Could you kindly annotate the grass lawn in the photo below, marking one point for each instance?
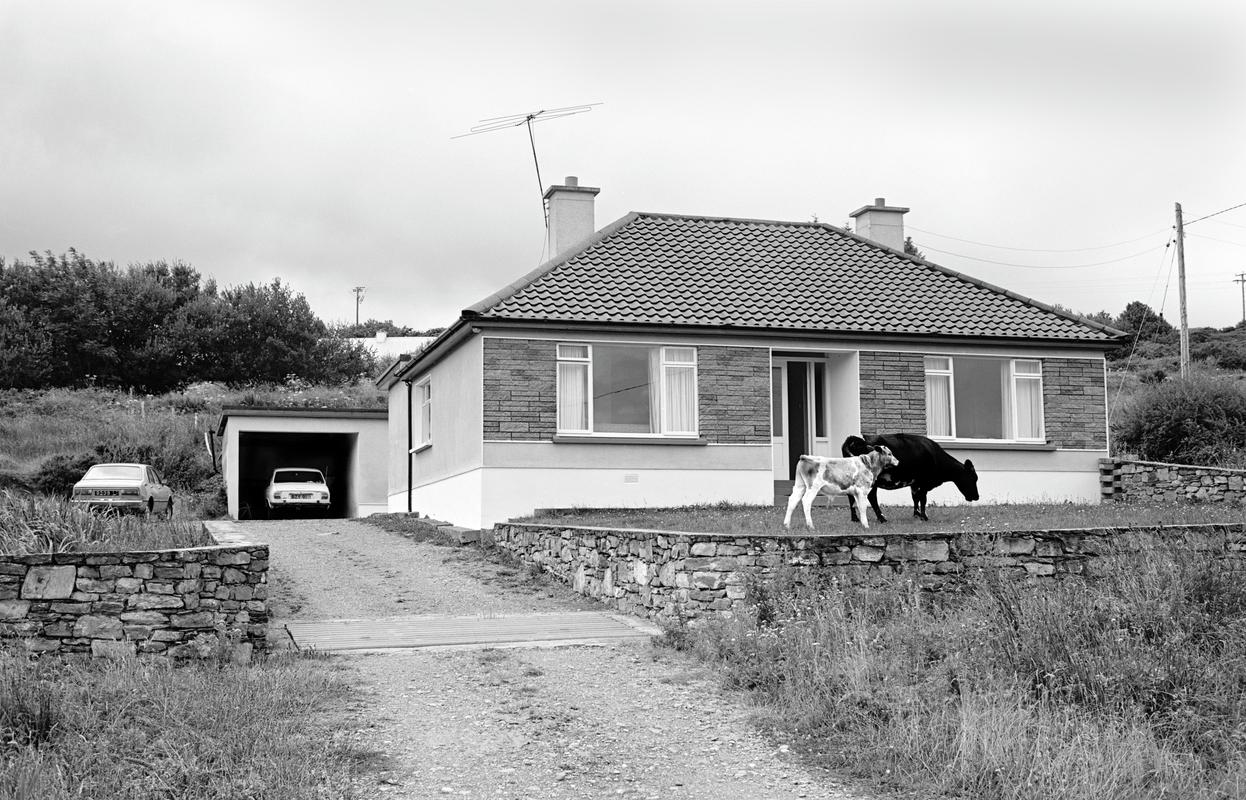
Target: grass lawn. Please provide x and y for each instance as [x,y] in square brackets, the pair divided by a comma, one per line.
[768,520]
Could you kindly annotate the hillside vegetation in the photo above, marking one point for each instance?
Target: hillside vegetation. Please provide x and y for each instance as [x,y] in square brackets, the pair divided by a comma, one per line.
[50,437]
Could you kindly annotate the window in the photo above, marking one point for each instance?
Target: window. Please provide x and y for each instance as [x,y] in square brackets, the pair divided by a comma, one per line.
[627,389]
[970,397]
[424,420]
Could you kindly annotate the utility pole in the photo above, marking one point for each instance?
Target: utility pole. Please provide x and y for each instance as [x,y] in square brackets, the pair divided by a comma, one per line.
[358,290]
[1241,278]
[1185,327]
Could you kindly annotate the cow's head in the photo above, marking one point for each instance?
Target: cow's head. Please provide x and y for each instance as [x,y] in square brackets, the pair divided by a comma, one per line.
[882,458]
[967,481]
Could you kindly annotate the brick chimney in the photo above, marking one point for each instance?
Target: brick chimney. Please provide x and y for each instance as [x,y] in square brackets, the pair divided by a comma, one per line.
[881,223]
[570,208]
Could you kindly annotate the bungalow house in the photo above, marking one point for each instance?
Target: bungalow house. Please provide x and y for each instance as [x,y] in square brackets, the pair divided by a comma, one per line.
[668,360]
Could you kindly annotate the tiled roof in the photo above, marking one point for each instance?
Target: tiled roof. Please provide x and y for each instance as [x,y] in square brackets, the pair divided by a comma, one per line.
[679,270]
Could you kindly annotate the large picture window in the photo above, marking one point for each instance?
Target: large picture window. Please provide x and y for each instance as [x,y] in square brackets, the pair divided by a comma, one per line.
[627,389]
[972,397]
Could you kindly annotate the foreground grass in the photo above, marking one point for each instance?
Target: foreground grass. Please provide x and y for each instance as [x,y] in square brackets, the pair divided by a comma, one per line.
[1133,686]
[33,524]
[142,729]
[768,520]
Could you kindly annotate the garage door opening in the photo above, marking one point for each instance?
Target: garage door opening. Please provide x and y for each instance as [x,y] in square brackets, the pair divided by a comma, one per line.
[261,453]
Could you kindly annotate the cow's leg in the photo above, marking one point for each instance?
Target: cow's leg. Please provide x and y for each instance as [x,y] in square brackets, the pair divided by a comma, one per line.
[919,504]
[861,497]
[798,491]
[878,512]
[811,494]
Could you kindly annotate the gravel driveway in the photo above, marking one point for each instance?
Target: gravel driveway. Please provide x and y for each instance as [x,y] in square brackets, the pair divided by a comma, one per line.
[620,720]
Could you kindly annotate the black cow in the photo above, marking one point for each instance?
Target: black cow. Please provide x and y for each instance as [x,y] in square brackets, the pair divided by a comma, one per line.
[923,466]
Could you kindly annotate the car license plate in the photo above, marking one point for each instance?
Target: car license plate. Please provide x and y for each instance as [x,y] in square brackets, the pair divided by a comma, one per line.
[301,496]
[107,492]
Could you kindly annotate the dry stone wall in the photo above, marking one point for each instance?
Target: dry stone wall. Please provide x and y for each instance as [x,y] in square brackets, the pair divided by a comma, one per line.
[1157,482]
[195,602]
[665,575]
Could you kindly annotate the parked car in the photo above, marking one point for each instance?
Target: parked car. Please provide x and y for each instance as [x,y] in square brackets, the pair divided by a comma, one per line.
[123,487]
[296,489]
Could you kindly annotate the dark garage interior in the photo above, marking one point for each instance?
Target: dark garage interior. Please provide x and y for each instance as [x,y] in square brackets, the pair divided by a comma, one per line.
[260,453]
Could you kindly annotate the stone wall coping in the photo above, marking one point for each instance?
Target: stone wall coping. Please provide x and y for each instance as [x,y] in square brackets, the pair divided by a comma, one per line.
[1177,466]
[1106,530]
[226,533]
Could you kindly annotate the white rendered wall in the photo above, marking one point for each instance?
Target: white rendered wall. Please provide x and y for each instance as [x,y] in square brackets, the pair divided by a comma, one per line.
[457,420]
[455,499]
[517,492]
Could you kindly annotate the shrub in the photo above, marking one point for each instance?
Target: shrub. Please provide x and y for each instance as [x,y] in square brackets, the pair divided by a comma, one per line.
[57,475]
[1199,420]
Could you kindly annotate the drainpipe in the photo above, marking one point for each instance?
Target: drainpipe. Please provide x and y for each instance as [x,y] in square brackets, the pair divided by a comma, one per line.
[410,445]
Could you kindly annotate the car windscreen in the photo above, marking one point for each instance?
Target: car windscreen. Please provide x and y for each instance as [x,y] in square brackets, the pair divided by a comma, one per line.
[115,472]
[297,476]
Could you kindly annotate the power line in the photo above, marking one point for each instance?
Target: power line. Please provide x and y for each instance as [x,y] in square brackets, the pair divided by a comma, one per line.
[1217,213]
[924,246]
[1214,239]
[1036,250]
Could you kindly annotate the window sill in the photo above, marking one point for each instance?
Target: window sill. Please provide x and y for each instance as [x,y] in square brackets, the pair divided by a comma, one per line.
[968,444]
[574,439]
[421,448]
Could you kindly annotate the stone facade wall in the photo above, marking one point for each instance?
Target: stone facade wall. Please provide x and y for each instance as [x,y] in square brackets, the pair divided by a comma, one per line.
[1156,482]
[520,389]
[521,394]
[666,575]
[733,388]
[178,603]
[1075,403]
[893,393]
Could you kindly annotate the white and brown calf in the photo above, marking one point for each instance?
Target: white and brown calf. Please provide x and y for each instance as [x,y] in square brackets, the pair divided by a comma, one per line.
[853,476]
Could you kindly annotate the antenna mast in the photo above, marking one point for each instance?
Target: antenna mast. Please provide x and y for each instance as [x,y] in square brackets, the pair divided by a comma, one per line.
[514,121]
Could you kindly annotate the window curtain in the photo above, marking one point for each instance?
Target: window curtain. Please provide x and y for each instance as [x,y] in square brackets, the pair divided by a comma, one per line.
[655,390]
[1029,408]
[1006,382]
[939,405]
[681,400]
[572,397]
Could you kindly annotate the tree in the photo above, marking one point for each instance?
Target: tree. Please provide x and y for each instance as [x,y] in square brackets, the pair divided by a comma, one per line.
[911,249]
[1140,320]
[370,328]
[69,321]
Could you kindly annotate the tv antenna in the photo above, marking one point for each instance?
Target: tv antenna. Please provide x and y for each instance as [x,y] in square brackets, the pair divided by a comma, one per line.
[515,120]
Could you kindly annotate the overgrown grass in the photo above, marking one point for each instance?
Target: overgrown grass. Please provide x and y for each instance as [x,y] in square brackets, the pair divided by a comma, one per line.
[768,520]
[1131,686]
[34,524]
[144,729]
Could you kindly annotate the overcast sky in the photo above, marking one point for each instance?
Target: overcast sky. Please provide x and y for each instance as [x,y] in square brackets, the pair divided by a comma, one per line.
[311,141]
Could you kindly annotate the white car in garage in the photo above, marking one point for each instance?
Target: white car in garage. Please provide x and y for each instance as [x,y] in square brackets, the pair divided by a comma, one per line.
[296,490]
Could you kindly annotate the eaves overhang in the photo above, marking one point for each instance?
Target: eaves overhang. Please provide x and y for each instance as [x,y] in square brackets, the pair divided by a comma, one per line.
[300,412]
[742,331]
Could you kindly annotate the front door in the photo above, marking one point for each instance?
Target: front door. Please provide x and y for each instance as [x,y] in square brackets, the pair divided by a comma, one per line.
[798,409]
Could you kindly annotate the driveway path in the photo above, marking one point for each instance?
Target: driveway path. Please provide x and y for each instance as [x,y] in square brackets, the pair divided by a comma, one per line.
[622,719]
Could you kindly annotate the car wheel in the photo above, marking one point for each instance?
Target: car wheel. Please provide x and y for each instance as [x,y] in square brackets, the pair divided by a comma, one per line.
[151,506]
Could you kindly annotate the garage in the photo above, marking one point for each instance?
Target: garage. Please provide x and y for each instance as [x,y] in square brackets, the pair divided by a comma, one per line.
[347,445]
